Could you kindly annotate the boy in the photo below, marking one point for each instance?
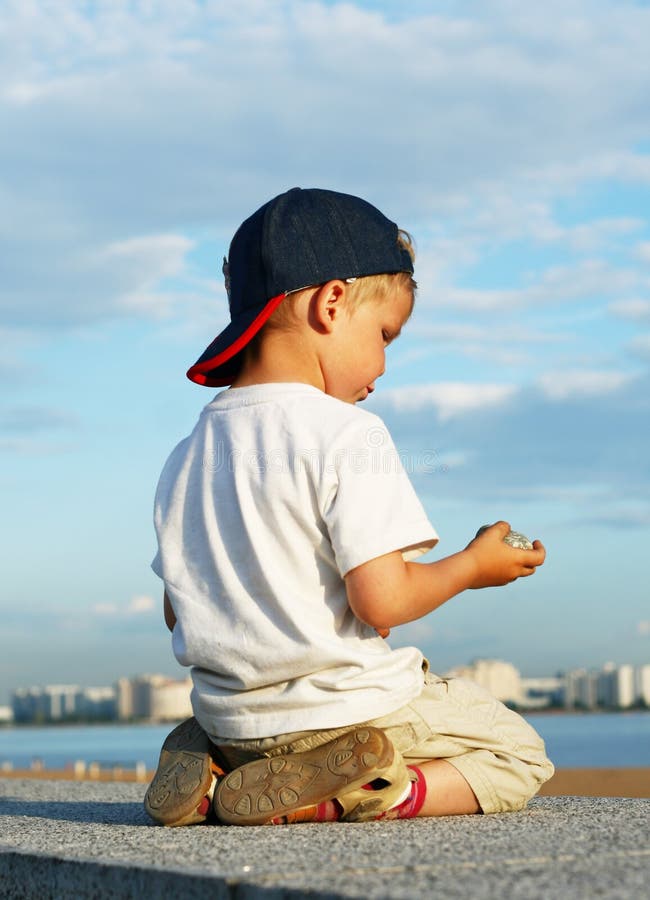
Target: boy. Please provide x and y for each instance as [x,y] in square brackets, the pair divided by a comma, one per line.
[287,531]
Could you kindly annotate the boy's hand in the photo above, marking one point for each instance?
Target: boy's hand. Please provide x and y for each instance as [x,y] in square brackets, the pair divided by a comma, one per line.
[496,563]
[170,616]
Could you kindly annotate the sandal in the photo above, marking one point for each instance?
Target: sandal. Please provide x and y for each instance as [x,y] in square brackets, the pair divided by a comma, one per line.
[188,770]
[360,769]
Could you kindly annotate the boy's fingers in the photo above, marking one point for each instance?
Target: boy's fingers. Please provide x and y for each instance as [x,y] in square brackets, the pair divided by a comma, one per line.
[534,558]
[540,550]
[502,529]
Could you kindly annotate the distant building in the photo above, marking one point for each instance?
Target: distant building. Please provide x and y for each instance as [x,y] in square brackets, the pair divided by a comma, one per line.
[612,687]
[160,698]
[538,693]
[606,687]
[24,703]
[618,691]
[95,703]
[124,699]
[581,689]
[622,693]
[44,704]
[642,685]
[500,678]
[62,702]
[155,697]
[171,700]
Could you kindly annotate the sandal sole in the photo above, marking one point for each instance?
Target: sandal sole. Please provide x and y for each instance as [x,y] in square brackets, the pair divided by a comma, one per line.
[269,788]
[183,778]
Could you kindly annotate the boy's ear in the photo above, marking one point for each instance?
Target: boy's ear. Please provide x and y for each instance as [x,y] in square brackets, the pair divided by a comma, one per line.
[327,305]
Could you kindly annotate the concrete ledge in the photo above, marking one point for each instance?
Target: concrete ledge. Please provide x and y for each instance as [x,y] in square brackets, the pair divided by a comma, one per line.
[79,839]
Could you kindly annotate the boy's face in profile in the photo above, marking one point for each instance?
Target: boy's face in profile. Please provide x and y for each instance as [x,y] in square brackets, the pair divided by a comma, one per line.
[361,339]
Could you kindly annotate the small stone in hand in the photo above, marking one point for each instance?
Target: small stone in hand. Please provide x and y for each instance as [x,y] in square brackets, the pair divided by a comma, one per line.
[513,538]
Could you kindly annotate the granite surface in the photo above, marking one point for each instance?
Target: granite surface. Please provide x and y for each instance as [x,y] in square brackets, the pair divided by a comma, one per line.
[63,839]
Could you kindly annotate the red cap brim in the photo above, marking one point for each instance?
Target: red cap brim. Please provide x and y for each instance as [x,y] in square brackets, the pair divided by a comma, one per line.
[217,366]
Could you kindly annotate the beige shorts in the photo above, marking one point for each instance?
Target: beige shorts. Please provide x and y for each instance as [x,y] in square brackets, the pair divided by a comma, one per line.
[499,754]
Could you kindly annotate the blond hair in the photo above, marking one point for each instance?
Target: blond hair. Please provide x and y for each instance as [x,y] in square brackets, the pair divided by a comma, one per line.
[360,290]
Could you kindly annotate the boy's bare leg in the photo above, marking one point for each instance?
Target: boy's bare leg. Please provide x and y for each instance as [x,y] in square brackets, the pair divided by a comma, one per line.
[448,794]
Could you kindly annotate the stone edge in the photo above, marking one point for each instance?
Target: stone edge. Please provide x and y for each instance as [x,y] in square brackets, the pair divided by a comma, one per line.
[27,874]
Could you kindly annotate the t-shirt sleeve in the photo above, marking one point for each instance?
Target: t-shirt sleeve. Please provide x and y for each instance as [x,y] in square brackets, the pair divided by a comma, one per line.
[373,508]
[156,564]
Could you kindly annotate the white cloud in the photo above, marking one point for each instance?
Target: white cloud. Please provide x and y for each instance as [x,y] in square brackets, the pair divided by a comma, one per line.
[26,447]
[643,628]
[465,333]
[133,120]
[582,383]
[105,609]
[600,233]
[449,399]
[80,282]
[507,215]
[579,456]
[621,165]
[455,459]
[502,344]
[580,279]
[636,309]
[162,254]
[146,262]
[481,300]
[140,604]
[22,94]
[150,74]
[29,419]
[643,251]
[640,346]
[587,278]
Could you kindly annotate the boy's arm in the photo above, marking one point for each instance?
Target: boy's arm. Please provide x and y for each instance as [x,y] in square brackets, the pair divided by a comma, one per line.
[387,591]
[170,618]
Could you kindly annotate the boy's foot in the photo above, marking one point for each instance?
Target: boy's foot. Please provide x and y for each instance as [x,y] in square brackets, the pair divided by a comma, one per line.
[361,770]
[188,770]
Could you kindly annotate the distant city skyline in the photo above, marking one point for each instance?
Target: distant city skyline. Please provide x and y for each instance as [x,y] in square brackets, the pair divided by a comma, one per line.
[157,697]
[178,673]
[512,142]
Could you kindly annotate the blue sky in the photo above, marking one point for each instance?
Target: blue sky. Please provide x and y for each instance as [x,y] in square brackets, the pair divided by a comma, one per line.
[512,141]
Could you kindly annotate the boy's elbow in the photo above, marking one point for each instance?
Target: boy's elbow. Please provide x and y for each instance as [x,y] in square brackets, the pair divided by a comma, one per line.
[373,615]
[373,591]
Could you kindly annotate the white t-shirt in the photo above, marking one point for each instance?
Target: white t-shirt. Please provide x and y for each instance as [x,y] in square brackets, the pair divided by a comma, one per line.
[279,491]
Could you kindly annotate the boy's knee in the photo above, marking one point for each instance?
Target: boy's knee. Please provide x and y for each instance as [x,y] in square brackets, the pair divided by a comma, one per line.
[523,779]
[541,771]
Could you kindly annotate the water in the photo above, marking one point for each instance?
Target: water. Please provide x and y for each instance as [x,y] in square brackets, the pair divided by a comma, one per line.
[597,740]
[109,745]
[606,740]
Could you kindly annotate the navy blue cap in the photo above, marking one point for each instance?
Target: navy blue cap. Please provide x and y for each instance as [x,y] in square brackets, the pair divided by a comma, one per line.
[301,238]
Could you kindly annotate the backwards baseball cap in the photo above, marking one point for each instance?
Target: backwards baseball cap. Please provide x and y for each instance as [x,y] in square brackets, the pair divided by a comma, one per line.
[301,238]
